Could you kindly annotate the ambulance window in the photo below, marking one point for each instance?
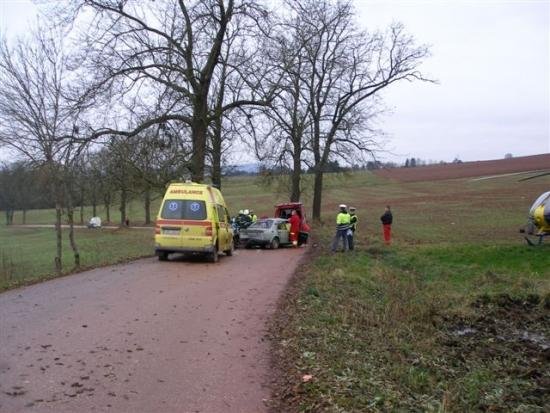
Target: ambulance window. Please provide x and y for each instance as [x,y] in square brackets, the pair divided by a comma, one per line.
[221,213]
[184,209]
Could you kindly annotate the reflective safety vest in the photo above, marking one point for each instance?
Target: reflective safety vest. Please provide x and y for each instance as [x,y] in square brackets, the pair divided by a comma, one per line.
[353,222]
[343,220]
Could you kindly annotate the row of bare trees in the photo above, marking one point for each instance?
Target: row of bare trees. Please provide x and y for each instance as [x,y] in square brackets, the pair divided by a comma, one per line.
[171,86]
[136,168]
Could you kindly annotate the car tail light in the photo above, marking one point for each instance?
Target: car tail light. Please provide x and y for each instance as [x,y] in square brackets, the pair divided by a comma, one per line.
[157,228]
[208,231]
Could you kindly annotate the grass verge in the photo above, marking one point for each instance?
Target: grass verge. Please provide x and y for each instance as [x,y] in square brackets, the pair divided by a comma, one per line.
[27,254]
[441,327]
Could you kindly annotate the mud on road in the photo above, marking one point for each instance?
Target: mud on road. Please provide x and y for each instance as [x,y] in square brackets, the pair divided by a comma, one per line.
[147,336]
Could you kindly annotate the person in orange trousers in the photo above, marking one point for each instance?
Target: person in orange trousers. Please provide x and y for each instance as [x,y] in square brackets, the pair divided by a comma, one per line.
[295,222]
[387,220]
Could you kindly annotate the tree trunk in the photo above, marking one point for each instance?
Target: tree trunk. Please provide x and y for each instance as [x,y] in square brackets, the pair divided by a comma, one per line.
[70,216]
[317,194]
[59,239]
[123,199]
[9,217]
[82,208]
[199,129]
[70,219]
[296,175]
[94,202]
[107,200]
[147,204]
[24,216]
[217,157]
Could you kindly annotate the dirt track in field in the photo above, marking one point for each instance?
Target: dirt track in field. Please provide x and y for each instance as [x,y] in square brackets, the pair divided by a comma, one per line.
[468,169]
[149,336]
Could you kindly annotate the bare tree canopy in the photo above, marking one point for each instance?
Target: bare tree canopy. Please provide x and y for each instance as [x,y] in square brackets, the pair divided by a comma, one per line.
[136,47]
[329,96]
[39,117]
[302,87]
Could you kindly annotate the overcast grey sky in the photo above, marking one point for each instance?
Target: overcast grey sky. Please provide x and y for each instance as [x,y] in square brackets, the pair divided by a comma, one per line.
[492,61]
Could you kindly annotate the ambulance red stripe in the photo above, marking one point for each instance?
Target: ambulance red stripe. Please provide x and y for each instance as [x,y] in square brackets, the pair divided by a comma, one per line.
[183,222]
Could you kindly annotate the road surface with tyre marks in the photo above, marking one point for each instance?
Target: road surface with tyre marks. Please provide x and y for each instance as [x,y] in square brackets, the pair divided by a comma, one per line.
[148,336]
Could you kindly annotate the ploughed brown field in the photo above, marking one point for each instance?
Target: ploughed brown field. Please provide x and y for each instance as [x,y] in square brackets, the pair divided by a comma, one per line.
[468,169]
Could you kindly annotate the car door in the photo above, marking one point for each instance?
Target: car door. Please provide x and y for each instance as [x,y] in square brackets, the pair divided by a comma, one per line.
[283,233]
[223,228]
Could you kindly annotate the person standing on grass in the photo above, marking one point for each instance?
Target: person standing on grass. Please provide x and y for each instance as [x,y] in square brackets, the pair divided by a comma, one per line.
[352,228]
[387,220]
[295,222]
[342,226]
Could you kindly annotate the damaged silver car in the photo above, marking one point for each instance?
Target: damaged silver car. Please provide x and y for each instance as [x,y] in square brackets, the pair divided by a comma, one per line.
[266,233]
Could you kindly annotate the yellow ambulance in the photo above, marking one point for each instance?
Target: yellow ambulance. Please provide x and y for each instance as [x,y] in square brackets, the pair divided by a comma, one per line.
[193,218]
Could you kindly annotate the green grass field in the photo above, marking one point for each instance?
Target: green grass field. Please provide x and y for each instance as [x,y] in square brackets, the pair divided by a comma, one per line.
[26,254]
[454,316]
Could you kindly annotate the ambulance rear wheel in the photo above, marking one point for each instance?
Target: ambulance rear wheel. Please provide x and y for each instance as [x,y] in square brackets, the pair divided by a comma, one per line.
[213,256]
[229,252]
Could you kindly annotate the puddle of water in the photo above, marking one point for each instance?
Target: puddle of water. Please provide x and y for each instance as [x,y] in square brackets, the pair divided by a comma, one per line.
[465,331]
[518,335]
[535,338]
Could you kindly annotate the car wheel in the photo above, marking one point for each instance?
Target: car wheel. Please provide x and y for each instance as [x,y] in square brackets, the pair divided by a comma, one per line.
[229,252]
[274,243]
[213,256]
[163,256]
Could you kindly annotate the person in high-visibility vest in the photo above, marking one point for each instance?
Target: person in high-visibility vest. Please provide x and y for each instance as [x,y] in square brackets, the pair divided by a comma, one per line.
[353,227]
[247,218]
[387,220]
[253,216]
[343,220]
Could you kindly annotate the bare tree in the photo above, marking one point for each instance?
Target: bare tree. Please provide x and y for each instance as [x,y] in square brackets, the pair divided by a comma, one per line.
[285,140]
[347,69]
[155,157]
[135,47]
[38,119]
[328,93]
[19,189]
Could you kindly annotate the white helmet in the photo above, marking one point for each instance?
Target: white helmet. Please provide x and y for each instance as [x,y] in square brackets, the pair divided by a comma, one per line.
[241,212]
[343,206]
[246,212]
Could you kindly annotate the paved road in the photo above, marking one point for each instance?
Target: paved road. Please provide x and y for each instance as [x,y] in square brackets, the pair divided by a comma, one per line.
[147,336]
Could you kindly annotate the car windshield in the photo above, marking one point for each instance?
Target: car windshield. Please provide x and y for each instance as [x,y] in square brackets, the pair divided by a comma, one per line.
[184,209]
[263,224]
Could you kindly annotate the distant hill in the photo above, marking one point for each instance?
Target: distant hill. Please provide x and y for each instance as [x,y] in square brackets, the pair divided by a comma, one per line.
[468,169]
